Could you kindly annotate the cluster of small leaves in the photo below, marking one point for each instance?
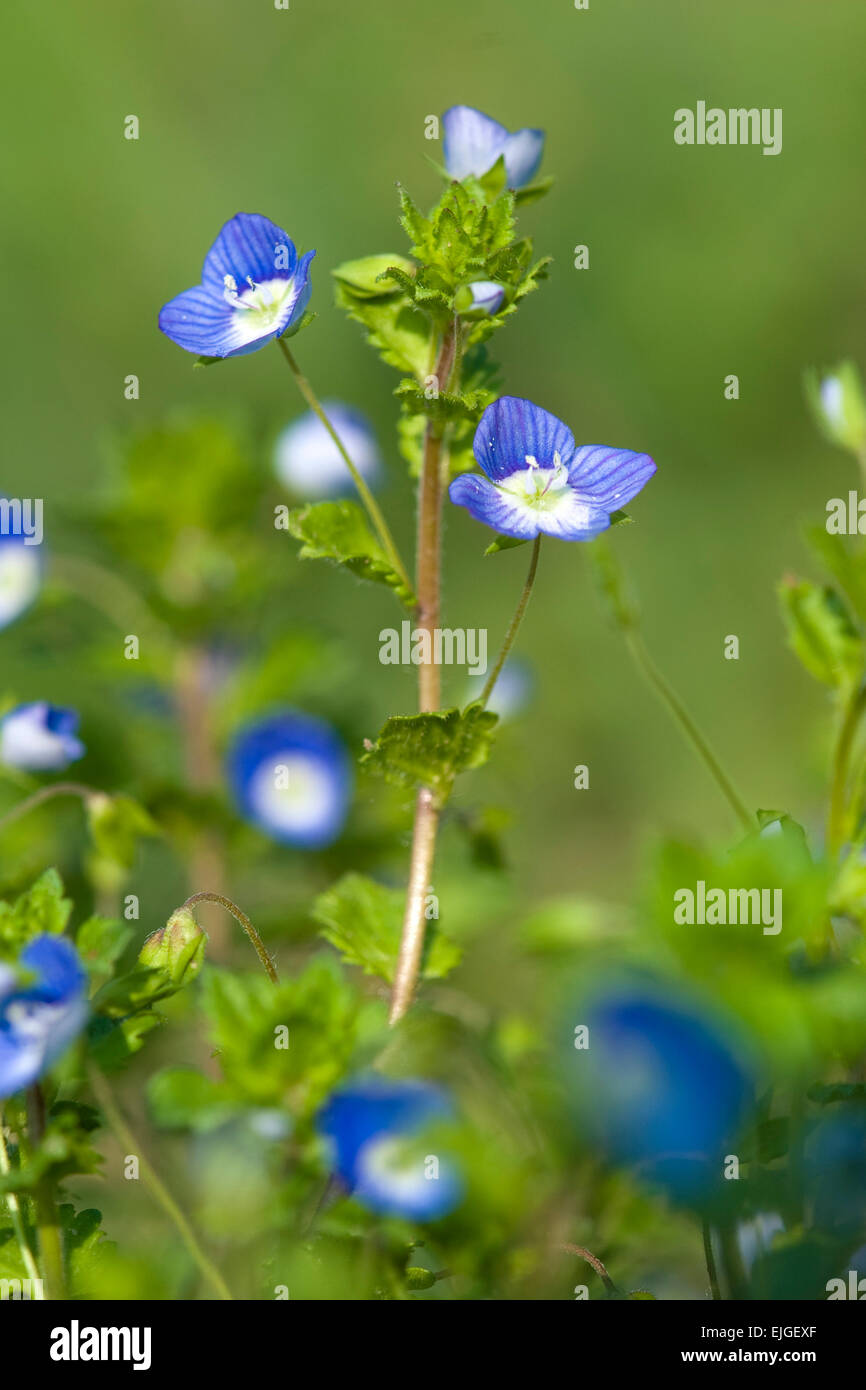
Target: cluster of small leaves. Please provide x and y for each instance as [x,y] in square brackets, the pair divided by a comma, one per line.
[363,921]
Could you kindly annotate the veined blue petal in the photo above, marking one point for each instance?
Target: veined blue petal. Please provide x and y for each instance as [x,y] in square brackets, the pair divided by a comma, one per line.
[308,461]
[483,500]
[253,289]
[513,430]
[523,153]
[39,1020]
[607,477]
[40,737]
[471,141]
[291,777]
[249,247]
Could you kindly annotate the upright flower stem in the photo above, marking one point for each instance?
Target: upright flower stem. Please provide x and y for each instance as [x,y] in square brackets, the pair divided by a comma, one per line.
[373,510]
[681,716]
[47,1218]
[154,1183]
[836,819]
[427,811]
[514,624]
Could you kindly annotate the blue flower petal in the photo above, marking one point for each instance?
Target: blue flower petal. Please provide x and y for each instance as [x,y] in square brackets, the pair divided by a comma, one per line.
[366,1122]
[471,141]
[483,500]
[291,777]
[609,478]
[523,153]
[249,245]
[40,737]
[39,1020]
[308,461]
[253,289]
[512,429]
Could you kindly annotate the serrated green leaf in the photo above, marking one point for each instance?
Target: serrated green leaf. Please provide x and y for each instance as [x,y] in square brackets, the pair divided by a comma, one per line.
[338,531]
[821,632]
[398,331]
[431,749]
[363,920]
[42,908]
[366,277]
[444,405]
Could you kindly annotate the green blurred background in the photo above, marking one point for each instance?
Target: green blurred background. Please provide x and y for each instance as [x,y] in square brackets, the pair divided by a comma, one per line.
[703,262]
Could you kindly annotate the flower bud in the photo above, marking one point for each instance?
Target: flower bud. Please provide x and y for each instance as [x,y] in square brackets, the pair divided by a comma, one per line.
[838,403]
[481,297]
[177,949]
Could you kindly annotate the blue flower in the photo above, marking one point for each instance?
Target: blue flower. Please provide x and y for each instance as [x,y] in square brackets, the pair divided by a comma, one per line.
[539,482]
[480,297]
[374,1125]
[473,142]
[659,1087]
[40,738]
[40,1016]
[308,461]
[253,287]
[20,575]
[291,777]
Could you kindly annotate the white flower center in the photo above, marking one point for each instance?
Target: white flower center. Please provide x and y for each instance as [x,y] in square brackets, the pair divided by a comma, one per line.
[542,489]
[259,305]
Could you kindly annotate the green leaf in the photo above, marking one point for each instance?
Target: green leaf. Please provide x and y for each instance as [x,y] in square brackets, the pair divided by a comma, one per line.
[398,331]
[99,941]
[182,1098]
[431,749]
[338,531]
[444,405]
[129,993]
[504,543]
[821,632]
[112,1042]
[42,908]
[533,191]
[841,1091]
[363,920]
[367,277]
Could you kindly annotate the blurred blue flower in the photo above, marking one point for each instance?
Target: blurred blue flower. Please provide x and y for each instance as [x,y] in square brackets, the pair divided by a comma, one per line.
[253,288]
[659,1087]
[480,297]
[538,482]
[308,461]
[291,777]
[372,1124]
[473,142]
[39,1016]
[40,738]
[512,691]
[20,576]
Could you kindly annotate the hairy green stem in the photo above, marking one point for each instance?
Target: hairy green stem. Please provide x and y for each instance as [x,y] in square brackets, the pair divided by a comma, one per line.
[154,1183]
[47,1218]
[514,624]
[710,1259]
[837,815]
[428,587]
[261,949]
[17,1218]
[373,510]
